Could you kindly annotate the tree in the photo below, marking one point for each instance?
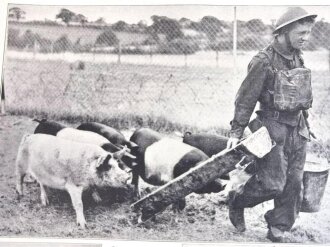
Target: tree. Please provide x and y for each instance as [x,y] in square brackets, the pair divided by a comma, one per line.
[29,38]
[63,44]
[120,26]
[256,26]
[211,26]
[13,39]
[170,27]
[100,20]
[143,26]
[66,15]
[107,38]
[81,19]
[16,13]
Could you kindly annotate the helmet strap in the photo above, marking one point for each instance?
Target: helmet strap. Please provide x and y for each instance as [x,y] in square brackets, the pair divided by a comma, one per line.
[288,42]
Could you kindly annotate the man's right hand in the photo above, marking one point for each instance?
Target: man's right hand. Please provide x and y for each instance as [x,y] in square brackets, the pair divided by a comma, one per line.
[232,142]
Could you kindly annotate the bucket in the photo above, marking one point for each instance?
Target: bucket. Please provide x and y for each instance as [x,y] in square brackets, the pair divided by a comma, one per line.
[314,180]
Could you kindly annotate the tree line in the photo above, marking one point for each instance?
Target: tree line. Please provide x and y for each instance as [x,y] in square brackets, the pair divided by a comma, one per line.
[218,34]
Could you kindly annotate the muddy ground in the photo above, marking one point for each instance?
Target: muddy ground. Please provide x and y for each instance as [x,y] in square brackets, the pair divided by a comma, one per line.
[202,220]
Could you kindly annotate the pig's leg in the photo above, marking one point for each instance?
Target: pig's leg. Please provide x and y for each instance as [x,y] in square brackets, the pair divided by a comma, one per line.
[76,198]
[43,195]
[96,195]
[19,185]
[20,174]
[135,182]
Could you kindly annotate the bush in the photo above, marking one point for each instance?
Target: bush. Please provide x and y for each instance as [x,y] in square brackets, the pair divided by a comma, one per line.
[28,39]
[13,39]
[179,46]
[223,44]
[63,44]
[252,42]
[107,38]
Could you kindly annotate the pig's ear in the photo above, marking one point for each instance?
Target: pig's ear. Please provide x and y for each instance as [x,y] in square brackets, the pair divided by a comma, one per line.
[103,163]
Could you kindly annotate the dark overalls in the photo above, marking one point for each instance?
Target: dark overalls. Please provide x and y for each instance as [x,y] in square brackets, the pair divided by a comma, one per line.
[279,174]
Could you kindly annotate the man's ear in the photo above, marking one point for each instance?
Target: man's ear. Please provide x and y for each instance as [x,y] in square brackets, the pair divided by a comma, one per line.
[102,164]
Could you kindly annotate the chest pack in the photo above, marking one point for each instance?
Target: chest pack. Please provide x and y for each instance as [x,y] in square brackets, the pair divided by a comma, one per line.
[292,88]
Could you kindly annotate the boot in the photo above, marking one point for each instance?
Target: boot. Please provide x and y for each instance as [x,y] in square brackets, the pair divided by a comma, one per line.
[236,215]
[276,235]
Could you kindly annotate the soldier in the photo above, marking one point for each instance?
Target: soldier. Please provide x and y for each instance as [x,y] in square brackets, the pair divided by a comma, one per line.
[283,111]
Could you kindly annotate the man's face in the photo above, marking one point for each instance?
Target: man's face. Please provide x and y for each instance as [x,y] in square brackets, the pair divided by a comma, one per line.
[299,34]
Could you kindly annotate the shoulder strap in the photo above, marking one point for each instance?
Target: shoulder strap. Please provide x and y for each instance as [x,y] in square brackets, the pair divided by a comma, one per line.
[269,52]
[301,60]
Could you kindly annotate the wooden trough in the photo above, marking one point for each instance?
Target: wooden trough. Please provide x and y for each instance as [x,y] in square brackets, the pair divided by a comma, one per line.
[256,145]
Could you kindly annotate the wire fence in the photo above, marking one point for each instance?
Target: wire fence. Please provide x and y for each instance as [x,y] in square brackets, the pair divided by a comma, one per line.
[183,70]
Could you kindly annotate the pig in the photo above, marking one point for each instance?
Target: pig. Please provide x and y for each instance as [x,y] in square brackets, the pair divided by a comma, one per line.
[72,134]
[64,132]
[111,134]
[67,165]
[212,144]
[160,159]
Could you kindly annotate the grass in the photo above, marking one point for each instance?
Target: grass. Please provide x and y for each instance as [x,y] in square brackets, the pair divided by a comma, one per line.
[123,95]
[126,95]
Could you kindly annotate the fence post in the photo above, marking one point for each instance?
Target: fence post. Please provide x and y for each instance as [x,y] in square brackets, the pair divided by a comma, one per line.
[150,54]
[235,40]
[185,60]
[329,56]
[3,108]
[34,48]
[217,57]
[119,52]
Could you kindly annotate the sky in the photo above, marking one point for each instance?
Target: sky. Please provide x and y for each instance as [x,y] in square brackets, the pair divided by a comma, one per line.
[135,13]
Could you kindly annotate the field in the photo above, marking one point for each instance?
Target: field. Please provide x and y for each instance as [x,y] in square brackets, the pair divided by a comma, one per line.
[126,96]
[202,220]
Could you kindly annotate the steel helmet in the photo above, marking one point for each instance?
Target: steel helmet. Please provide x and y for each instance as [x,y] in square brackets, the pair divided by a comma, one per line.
[291,15]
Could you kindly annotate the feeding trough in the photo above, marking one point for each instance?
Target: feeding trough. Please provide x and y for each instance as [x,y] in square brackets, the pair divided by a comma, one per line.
[257,145]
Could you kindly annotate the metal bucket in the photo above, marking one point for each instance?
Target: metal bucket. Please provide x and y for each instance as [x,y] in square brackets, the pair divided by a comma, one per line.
[315,179]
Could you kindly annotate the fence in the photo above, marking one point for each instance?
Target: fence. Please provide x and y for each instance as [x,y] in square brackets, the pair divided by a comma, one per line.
[185,71]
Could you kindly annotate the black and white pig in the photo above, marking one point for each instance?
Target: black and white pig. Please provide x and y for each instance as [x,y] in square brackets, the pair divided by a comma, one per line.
[67,165]
[161,159]
[111,134]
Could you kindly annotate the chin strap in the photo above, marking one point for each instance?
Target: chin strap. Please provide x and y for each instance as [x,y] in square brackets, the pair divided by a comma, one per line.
[288,42]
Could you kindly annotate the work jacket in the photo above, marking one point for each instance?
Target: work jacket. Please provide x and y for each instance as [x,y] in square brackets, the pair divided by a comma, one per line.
[258,85]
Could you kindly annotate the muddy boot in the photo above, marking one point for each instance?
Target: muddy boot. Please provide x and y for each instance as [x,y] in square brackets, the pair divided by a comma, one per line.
[275,235]
[236,215]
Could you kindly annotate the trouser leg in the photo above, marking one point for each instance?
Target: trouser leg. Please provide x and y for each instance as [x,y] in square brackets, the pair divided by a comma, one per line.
[287,205]
[270,177]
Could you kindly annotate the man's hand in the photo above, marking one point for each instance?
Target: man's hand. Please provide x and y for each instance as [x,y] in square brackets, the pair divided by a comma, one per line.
[232,142]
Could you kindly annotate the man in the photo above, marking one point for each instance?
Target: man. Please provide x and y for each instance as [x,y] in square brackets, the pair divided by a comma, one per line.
[279,174]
